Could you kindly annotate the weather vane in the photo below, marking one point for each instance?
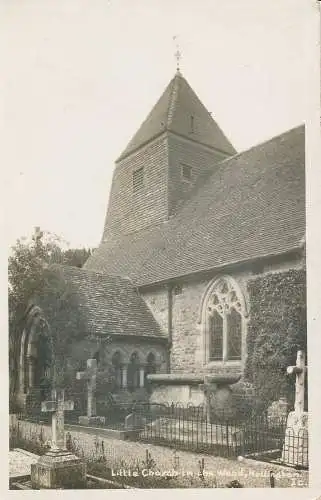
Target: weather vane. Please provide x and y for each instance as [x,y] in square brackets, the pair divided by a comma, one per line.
[178,54]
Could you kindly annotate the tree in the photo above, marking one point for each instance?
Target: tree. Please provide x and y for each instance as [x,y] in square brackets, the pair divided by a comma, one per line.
[34,280]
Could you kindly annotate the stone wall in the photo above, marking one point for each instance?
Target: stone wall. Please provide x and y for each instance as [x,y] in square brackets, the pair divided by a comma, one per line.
[188,348]
[125,454]
[157,301]
[187,330]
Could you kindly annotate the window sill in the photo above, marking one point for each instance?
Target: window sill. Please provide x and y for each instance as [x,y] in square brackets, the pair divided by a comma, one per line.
[220,364]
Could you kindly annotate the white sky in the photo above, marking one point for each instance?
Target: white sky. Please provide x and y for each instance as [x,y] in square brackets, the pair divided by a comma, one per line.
[81,75]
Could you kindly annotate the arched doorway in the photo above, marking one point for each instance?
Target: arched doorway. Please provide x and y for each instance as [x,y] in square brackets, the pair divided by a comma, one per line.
[35,375]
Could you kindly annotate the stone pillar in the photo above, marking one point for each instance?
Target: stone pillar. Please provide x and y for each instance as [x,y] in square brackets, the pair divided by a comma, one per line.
[141,376]
[124,376]
[31,372]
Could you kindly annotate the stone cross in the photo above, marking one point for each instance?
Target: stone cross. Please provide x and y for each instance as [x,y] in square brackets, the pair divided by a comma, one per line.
[299,370]
[57,406]
[90,375]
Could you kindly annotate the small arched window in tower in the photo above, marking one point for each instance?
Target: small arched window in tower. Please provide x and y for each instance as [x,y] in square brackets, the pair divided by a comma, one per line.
[150,366]
[133,372]
[117,369]
[225,320]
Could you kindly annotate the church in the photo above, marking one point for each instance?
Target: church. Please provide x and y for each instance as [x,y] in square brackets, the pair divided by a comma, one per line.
[194,233]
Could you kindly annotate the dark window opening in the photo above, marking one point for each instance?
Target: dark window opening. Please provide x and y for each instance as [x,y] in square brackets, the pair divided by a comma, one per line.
[187,172]
[150,367]
[216,337]
[133,372]
[192,124]
[234,335]
[138,179]
[117,368]
[178,289]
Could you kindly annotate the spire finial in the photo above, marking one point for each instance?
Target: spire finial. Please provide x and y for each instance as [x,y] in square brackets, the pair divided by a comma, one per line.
[178,54]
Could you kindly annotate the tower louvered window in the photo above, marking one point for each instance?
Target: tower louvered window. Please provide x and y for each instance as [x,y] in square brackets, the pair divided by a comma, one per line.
[138,179]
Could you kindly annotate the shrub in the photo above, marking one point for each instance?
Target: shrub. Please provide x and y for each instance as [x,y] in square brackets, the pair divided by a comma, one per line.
[276,330]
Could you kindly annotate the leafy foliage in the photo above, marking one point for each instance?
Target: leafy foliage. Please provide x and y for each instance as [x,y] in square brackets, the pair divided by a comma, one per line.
[31,280]
[277,329]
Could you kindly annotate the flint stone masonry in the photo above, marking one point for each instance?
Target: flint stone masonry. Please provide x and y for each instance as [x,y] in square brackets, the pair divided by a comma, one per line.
[157,301]
[249,473]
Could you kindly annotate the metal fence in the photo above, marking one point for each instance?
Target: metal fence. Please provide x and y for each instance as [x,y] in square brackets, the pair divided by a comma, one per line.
[193,428]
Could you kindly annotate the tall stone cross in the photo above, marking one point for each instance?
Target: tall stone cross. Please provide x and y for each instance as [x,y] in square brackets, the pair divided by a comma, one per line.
[90,375]
[57,406]
[299,370]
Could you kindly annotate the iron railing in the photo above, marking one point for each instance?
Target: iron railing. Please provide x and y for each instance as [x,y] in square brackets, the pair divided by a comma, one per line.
[193,428]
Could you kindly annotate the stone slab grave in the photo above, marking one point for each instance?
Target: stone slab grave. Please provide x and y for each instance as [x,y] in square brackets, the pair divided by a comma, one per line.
[58,468]
[295,448]
[133,422]
[90,375]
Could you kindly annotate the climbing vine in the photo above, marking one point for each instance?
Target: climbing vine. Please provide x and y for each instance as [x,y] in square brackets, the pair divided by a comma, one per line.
[276,330]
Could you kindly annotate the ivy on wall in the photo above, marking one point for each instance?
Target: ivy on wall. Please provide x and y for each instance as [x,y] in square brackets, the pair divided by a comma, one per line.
[276,330]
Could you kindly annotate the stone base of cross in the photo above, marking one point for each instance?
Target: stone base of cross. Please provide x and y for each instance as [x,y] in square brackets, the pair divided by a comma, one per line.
[295,448]
[57,406]
[90,375]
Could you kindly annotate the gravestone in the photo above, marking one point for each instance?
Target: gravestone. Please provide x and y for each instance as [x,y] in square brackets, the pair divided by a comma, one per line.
[58,468]
[90,376]
[295,448]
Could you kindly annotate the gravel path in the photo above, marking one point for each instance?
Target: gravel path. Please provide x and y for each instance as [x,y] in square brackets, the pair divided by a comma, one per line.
[20,462]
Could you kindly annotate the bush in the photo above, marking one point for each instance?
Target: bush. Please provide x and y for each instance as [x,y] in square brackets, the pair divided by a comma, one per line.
[276,330]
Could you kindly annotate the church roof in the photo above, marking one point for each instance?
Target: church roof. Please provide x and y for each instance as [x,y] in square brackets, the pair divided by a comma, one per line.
[251,206]
[110,304]
[173,112]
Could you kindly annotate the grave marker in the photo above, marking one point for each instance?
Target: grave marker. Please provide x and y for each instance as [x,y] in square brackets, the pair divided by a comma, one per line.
[90,375]
[57,406]
[58,467]
[295,448]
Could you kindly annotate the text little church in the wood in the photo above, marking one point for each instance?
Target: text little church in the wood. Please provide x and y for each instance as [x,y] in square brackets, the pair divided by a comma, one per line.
[201,264]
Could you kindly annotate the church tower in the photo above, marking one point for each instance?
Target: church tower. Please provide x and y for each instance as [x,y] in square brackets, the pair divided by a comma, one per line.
[177,144]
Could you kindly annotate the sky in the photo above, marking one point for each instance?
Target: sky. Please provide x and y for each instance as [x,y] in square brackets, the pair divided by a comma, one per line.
[81,75]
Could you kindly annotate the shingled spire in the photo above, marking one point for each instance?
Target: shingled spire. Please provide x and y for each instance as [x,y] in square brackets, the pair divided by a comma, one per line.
[175,146]
[180,111]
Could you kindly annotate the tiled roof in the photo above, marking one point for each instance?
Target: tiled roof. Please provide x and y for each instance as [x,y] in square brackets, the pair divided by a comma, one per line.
[111,305]
[173,112]
[252,206]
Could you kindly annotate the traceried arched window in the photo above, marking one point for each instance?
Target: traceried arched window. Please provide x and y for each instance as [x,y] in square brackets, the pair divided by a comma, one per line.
[224,321]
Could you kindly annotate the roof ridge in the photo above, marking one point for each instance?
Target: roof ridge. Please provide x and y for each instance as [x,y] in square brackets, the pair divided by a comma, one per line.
[92,271]
[172,101]
[261,143]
